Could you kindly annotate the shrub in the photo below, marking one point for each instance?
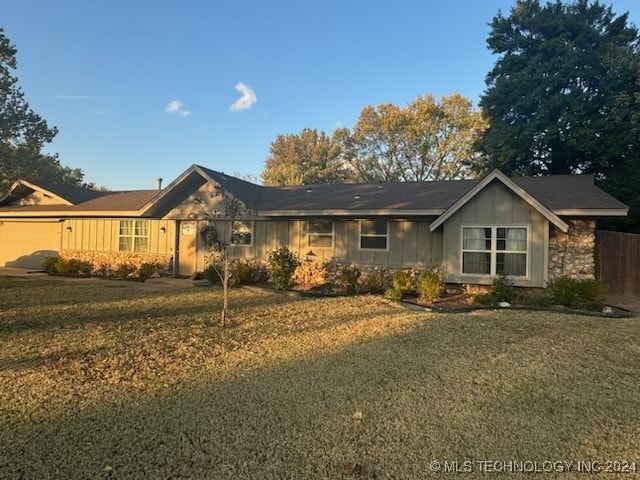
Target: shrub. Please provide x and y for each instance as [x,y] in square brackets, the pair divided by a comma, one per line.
[393,294]
[403,282]
[62,266]
[484,299]
[573,293]
[148,270]
[348,278]
[282,265]
[124,270]
[539,300]
[213,274]
[50,264]
[430,285]
[502,290]
[241,272]
[373,283]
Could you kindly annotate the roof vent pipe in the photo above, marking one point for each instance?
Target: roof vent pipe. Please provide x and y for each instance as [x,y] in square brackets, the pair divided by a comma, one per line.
[159,184]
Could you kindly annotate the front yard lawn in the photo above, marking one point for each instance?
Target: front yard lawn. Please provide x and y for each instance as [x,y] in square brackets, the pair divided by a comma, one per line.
[103,381]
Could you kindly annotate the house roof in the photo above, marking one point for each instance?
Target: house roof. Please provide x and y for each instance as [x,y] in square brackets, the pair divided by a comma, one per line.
[553,195]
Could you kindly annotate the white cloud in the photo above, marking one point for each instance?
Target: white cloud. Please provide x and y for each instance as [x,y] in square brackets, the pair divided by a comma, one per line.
[246,100]
[175,106]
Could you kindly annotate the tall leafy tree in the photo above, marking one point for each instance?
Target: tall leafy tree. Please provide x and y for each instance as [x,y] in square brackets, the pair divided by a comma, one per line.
[23,133]
[563,95]
[308,157]
[426,140]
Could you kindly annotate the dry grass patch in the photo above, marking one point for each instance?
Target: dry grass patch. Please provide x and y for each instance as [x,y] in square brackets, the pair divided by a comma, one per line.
[99,382]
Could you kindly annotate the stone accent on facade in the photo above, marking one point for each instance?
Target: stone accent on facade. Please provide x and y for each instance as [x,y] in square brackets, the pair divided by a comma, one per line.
[104,262]
[315,273]
[572,253]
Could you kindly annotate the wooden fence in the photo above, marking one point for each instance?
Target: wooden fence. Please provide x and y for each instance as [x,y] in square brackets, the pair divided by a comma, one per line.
[618,261]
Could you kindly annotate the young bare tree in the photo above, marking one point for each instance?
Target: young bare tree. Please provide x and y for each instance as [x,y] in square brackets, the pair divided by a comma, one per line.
[219,240]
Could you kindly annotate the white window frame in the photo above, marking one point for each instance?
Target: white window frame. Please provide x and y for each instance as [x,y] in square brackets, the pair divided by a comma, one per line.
[494,250]
[309,234]
[387,236]
[253,229]
[133,235]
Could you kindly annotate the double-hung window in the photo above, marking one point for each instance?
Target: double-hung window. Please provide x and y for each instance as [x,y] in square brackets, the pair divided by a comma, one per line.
[374,235]
[134,236]
[320,233]
[495,250]
[242,233]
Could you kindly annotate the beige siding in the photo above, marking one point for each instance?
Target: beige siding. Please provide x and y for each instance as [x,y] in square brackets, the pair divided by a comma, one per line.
[496,205]
[100,234]
[410,243]
[188,208]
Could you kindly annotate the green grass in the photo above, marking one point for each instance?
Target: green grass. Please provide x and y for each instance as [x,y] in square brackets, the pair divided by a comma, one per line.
[98,381]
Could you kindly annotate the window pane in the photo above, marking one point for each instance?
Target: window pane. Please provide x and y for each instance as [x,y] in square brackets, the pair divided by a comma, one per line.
[373,228]
[476,262]
[320,241]
[141,244]
[320,226]
[512,264]
[512,239]
[241,234]
[141,228]
[126,227]
[126,244]
[476,238]
[374,243]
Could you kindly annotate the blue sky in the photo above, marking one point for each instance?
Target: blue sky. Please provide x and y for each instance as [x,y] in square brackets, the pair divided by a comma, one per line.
[106,73]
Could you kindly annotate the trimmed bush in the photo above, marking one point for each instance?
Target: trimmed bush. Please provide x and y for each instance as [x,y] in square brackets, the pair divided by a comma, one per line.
[282,266]
[539,300]
[402,282]
[50,264]
[579,294]
[430,285]
[124,270]
[502,291]
[241,273]
[393,294]
[149,270]
[349,277]
[373,283]
[213,274]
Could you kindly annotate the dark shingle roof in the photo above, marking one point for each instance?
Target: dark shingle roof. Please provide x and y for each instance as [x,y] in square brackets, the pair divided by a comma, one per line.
[555,192]
[71,193]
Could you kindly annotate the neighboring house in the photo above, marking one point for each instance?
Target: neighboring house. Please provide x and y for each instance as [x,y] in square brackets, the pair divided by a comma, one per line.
[530,228]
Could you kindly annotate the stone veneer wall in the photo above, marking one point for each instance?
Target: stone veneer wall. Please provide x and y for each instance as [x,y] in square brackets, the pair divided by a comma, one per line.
[572,253]
[315,273]
[104,261]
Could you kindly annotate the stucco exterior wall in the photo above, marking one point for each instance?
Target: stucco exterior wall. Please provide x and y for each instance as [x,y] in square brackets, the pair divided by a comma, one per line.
[573,253]
[495,205]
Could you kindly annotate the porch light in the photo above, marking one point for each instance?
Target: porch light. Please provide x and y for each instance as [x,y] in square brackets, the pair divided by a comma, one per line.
[163,229]
[69,229]
[309,256]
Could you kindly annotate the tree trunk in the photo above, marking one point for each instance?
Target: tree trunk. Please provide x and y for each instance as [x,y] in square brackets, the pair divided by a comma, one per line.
[225,291]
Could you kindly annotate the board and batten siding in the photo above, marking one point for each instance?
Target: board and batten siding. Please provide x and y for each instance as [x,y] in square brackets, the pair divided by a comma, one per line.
[496,205]
[102,234]
[409,243]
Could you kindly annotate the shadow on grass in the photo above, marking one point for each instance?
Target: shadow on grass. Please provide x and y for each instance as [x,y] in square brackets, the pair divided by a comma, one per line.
[458,388]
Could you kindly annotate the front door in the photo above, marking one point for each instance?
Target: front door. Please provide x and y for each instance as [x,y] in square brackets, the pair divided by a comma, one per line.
[187,238]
